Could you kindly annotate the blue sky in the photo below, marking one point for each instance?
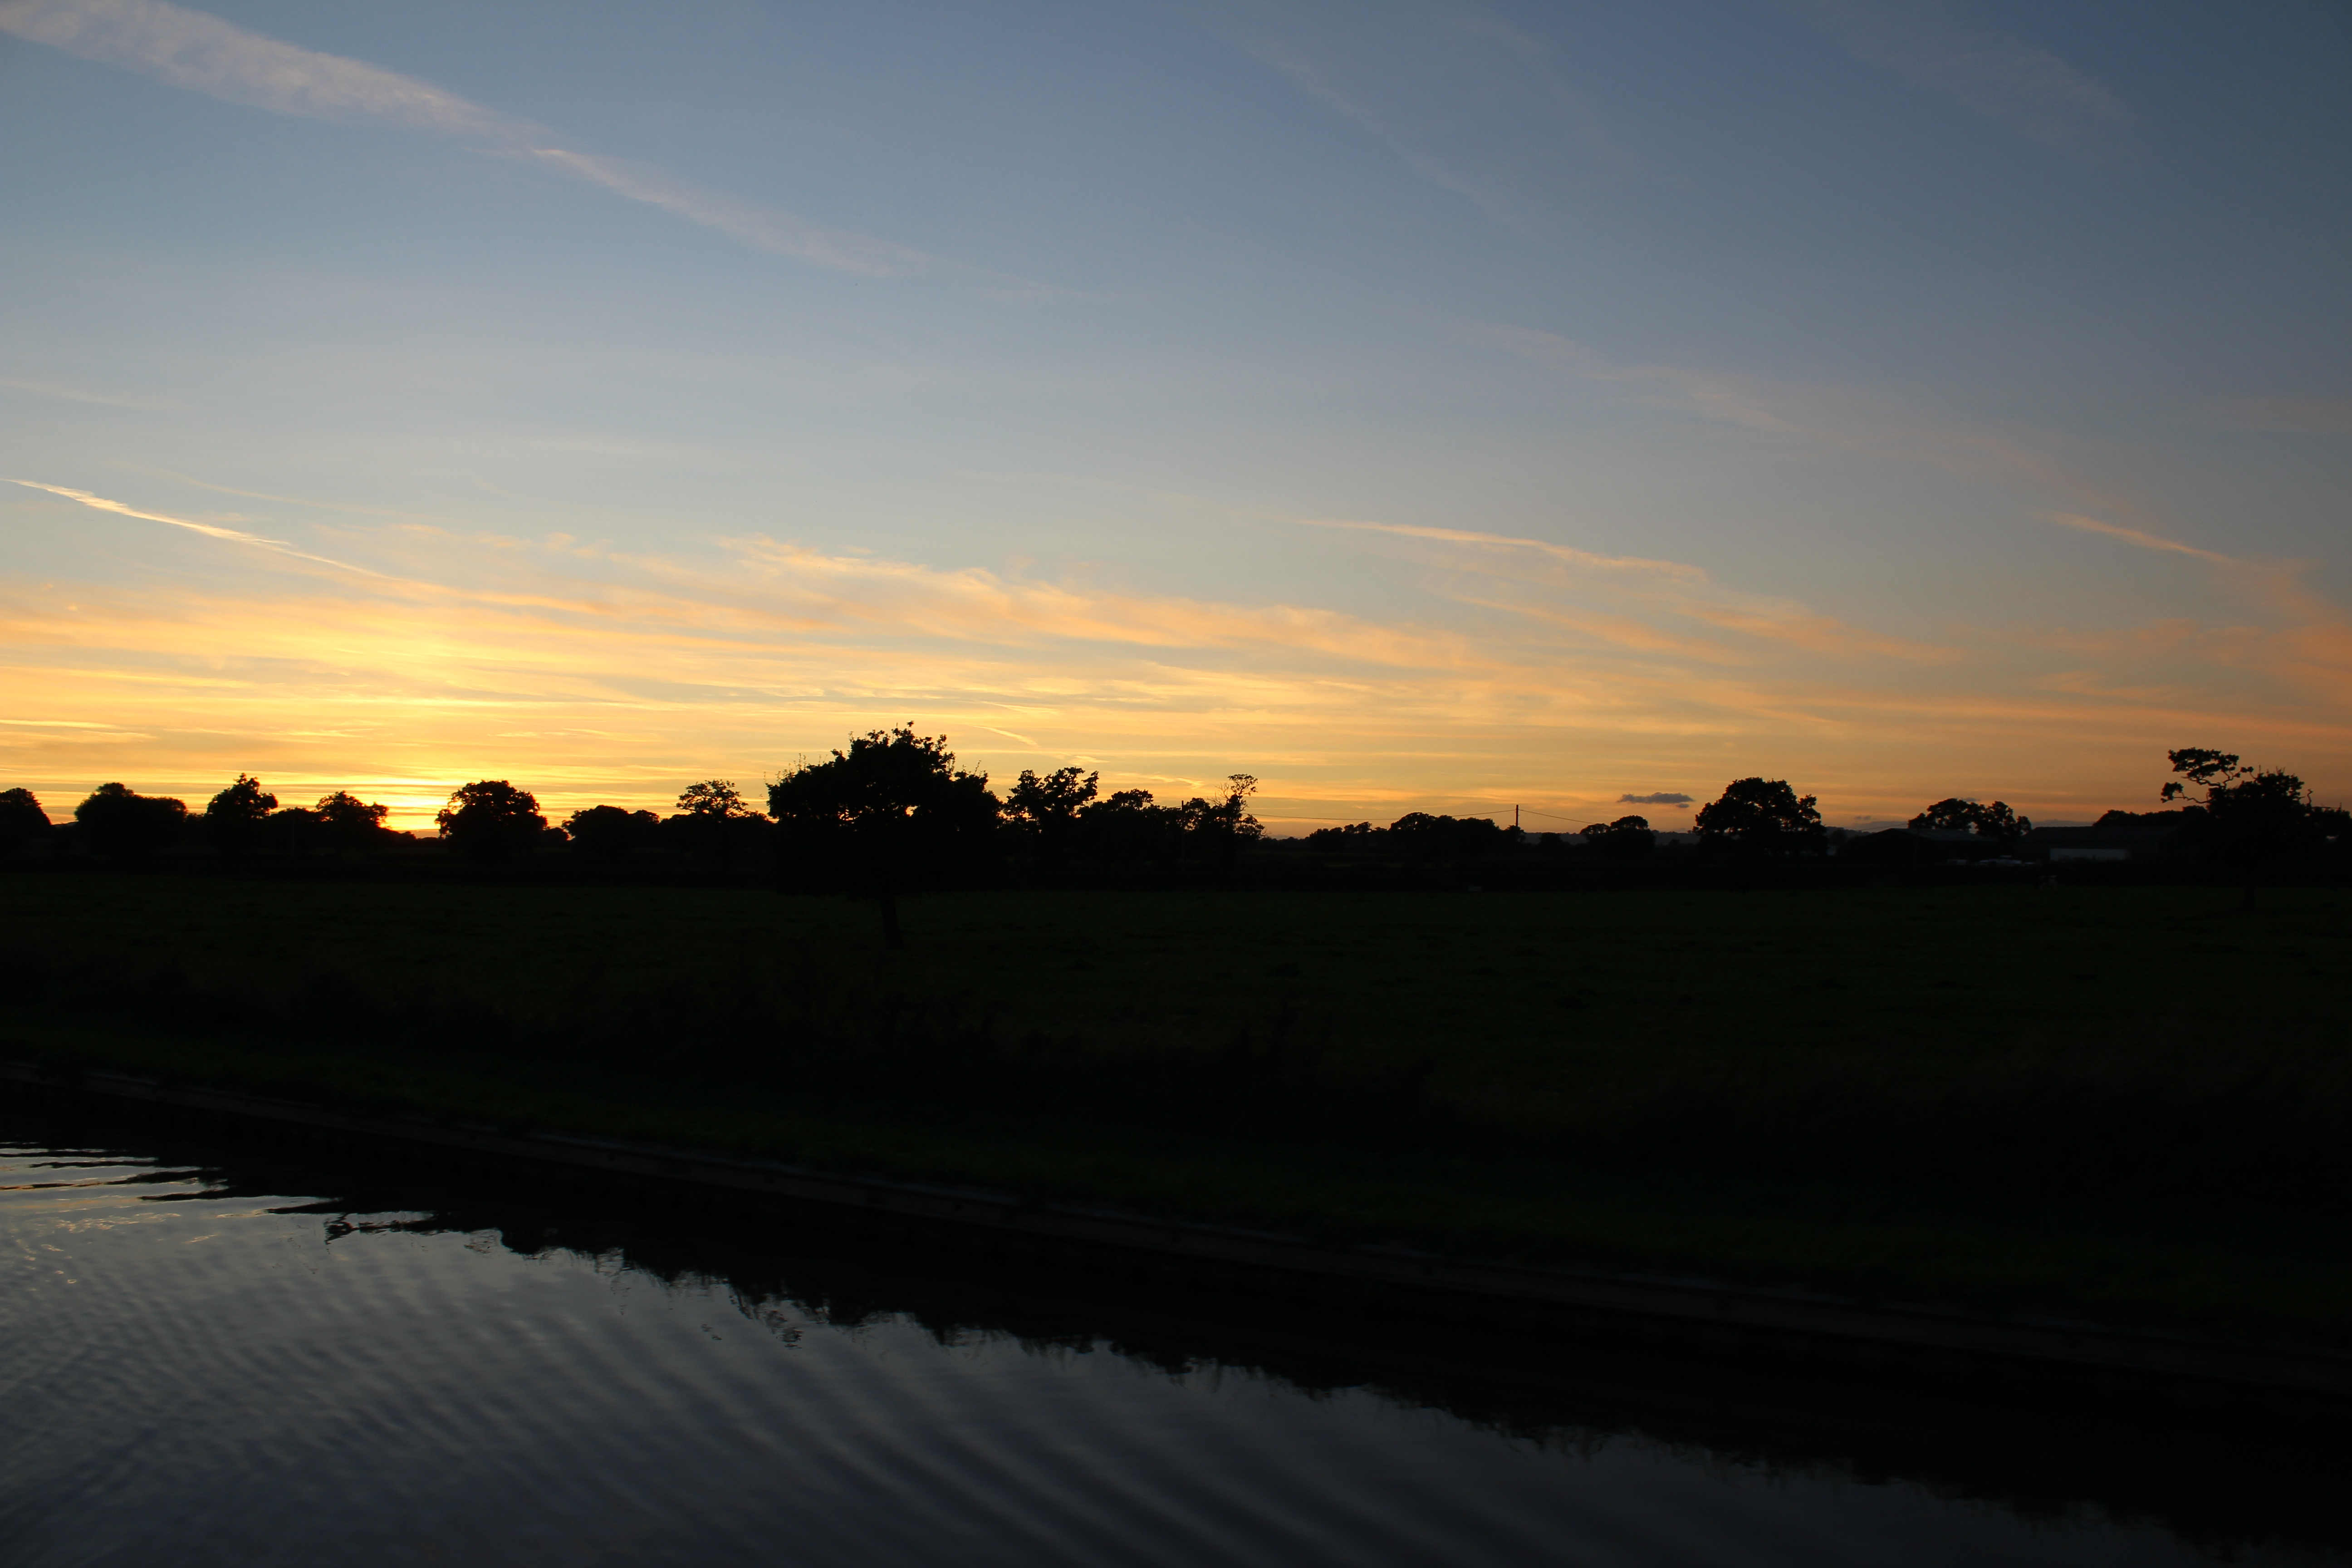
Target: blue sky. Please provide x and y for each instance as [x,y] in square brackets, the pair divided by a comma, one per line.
[1437,406]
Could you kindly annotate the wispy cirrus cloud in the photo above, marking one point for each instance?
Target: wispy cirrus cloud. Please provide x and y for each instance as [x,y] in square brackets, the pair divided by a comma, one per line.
[2293,632]
[1939,45]
[2036,463]
[77,394]
[1568,554]
[403,656]
[199,52]
[757,225]
[1848,418]
[1467,101]
[815,588]
[1540,579]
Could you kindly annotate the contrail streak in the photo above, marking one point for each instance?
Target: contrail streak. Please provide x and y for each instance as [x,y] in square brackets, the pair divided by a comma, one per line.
[210,529]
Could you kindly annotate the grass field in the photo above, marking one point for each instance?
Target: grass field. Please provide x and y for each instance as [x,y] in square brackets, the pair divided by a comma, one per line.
[2130,1102]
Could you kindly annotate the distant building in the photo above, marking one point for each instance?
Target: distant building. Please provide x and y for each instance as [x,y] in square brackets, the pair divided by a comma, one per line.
[2118,835]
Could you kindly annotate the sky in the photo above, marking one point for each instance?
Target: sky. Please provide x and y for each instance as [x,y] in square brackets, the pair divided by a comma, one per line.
[1418,407]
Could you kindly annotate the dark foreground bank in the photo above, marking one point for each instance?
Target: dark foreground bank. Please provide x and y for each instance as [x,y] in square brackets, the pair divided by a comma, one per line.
[1913,1341]
[2120,1104]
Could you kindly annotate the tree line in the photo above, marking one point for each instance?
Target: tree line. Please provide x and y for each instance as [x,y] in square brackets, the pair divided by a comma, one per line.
[1757,817]
[245,818]
[895,808]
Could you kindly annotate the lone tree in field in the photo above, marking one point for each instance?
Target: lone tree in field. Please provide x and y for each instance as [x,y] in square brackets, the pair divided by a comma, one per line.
[490,820]
[1045,810]
[2249,814]
[891,811]
[1761,816]
[117,821]
[1994,821]
[234,818]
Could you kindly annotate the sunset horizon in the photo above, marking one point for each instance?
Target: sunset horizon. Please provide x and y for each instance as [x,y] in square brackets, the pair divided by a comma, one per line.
[1175,781]
[1457,412]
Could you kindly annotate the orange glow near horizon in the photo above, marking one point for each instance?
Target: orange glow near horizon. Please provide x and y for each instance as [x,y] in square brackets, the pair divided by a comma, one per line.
[1429,415]
[401,662]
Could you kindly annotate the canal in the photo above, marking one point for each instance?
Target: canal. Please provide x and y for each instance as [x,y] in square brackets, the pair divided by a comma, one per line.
[222,1351]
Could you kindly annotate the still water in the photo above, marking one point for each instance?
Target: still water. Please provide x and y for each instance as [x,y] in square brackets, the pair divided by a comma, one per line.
[221,1353]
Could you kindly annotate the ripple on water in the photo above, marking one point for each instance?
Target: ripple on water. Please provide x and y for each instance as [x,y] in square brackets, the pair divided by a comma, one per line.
[195,1375]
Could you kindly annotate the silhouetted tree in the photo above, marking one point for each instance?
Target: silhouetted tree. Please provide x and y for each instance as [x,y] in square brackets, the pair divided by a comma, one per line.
[1045,811]
[490,820]
[713,821]
[1627,838]
[1429,836]
[2177,817]
[294,831]
[611,833]
[2249,815]
[1761,816]
[1422,834]
[713,797]
[1994,821]
[126,826]
[23,823]
[1215,830]
[891,811]
[1125,828]
[234,818]
[347,823]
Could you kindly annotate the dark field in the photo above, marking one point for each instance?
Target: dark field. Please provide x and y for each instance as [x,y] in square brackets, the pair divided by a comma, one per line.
[2125,1101]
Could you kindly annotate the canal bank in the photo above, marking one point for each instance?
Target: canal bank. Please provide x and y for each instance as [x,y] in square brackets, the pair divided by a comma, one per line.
[1914,1338]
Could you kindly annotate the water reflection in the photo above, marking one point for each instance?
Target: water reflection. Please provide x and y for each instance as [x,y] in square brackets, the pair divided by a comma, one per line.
[220,1354]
